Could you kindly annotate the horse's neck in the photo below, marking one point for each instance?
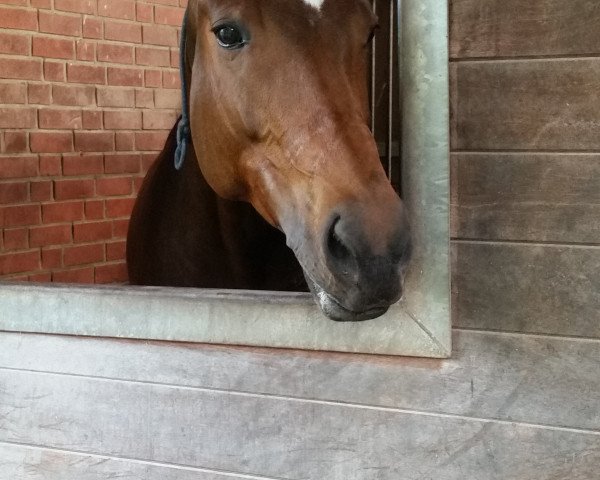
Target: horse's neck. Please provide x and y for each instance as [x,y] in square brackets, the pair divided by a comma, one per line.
[252,251]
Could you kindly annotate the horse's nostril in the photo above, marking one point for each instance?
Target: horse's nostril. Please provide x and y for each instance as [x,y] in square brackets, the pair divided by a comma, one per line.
[335,244]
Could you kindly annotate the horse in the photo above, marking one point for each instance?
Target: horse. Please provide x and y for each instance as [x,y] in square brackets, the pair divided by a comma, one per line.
[280,186]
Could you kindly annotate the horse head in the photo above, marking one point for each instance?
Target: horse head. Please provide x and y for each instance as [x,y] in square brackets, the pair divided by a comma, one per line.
[278,111]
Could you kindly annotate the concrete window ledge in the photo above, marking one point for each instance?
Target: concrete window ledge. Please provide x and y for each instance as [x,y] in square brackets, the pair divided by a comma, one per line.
[282,320]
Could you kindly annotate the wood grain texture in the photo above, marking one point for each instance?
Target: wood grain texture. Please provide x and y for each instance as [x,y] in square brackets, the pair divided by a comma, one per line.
[506,28]
[532,197]
[30,463]
[504,377]
[527,288]
[526,105]
[279,438]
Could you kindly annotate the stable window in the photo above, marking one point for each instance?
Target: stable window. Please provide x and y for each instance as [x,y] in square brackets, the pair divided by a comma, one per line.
[410,62]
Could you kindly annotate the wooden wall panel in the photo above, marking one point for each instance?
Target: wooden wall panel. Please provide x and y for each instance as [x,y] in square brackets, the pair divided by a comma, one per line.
[30,463]
[525,130]
[547,289]
[502,28]
[532,197]
[526,105]
[280,438]
[491,375]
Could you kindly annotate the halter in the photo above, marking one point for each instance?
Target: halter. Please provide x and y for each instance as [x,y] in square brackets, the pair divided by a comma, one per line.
[183,128]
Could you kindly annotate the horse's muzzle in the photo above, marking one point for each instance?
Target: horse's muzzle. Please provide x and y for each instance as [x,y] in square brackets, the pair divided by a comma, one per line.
[365,264]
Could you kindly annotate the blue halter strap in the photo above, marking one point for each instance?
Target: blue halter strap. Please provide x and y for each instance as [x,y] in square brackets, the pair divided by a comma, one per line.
[183,128]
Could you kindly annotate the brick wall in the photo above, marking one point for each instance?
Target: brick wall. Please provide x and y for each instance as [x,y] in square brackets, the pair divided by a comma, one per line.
[88,92]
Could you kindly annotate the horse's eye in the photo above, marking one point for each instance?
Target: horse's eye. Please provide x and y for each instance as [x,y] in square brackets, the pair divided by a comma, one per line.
[230,36]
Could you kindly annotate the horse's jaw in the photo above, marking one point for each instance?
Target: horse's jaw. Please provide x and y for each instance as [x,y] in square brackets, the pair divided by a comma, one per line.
[332,309]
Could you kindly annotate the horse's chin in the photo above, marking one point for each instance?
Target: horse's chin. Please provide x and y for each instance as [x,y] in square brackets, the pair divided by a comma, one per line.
[333,310]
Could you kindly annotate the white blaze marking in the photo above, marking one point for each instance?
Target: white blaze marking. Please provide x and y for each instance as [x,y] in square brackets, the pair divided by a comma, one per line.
[315,3]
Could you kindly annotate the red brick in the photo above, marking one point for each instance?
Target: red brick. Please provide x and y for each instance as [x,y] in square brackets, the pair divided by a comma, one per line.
[122,164]
[54,72]
[74,95]
[50,165]
[119,207]
[156,57]
[50,47]
[123,120]
[122,32]
[144,98]
[72,189]
[111,273]
[115,53]
[80,275]
[144,12]
[17,118]
[171,79]
[92,120]
[137,184]
[168,15]
[63,119]
[153,78]
[51,258]
[123,9]
[39,93]
[60,24]
[40,278]
[76,6]
[83,255]
[41,191]
[94,209]
[47,4]
[175,58]
[160,35]
[113,186]
[18,167]
[167,99]
[115,251]
[15,142]
[86,50]
[51,142]
[120,227]
[86,74]
[92,232]
[124,141]
[116,97]
[22,69]
[19,216]
[94,141]
[14,44]
[15,93]
[148,160]
[14,192]
[83,164]
[150,141]
[159,120]
[60,212]
[18,19]
[16,239]
[125,76]
[46,236]
[92,28]
[19,262]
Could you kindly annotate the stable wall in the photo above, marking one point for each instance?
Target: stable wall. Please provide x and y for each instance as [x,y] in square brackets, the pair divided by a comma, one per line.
[88,92]
[526,165]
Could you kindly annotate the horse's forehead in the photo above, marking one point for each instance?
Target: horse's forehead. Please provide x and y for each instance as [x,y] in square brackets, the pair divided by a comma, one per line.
[315,3]
[318,5]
